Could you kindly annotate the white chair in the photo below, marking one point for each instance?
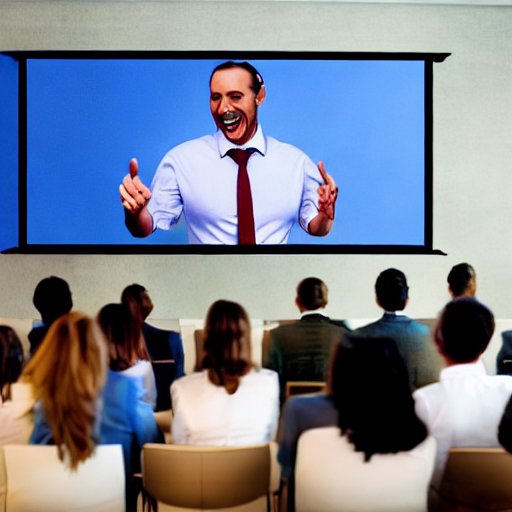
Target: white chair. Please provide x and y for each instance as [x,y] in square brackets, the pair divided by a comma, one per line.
[205,478]
[331,476]
[37,481]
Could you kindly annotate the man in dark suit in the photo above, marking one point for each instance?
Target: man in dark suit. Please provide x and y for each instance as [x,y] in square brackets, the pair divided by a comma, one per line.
[300,350]
[165,347]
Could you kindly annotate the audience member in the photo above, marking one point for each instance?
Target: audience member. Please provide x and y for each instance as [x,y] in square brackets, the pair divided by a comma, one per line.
[412,338]
[229,402]
[67,374]
[300,351]
[52,298]
[504,357]
[127,417]
[165,347]
[127,351]
[465,407]
[462,281]
[369,399]
[15,397]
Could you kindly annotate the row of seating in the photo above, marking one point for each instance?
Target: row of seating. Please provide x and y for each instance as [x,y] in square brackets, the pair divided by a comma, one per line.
[32,479]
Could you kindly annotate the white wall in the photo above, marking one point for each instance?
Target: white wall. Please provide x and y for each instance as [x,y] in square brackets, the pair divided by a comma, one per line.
[472,150]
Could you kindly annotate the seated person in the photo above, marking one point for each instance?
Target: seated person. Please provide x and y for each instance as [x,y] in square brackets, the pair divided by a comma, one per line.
[127,351]
[228,403]
[462,281]
[127,417]
[300,351]
[369,399]
[463,409]
[412,338]
[52,298]
[15,397]
[67,374]
[165,348]
[504,357]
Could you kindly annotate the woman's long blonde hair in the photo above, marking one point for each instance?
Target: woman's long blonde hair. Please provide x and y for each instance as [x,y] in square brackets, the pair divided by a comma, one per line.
[67,374]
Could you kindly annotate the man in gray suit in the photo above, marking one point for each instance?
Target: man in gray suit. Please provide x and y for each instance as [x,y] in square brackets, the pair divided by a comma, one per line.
[300,350]
[421,358]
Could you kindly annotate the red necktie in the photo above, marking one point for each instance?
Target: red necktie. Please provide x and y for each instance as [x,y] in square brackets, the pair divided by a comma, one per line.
[246,233]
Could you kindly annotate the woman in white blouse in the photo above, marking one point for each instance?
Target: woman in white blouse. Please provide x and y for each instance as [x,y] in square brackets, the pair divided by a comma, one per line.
[230,402]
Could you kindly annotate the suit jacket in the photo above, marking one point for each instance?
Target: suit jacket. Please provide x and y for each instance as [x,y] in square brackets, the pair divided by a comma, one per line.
[301,350]
[168,360]
[414,343]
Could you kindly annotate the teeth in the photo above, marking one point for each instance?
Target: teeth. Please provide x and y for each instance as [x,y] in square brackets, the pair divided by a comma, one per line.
[230,118]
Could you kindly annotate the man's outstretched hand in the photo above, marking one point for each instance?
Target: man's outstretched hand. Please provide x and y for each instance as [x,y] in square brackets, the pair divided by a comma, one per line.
[134,194]
[327,193]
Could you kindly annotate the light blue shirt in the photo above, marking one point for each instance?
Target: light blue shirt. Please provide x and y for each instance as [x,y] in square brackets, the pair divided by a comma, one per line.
[199,179]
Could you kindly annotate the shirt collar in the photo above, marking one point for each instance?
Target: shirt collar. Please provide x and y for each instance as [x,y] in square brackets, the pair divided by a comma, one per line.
[257,142]
[319,311]
[455,371]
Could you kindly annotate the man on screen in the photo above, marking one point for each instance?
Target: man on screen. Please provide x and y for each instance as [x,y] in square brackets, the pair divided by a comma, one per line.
[275,184]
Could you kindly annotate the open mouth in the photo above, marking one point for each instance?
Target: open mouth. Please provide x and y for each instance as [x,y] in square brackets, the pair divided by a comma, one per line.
[231,121]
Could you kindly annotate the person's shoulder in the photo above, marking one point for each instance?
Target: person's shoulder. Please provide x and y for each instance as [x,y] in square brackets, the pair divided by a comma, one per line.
[191,381]
[274,144]
[192,146]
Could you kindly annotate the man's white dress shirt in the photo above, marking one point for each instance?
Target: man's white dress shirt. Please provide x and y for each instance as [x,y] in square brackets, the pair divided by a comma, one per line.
[463,409]
[199,179]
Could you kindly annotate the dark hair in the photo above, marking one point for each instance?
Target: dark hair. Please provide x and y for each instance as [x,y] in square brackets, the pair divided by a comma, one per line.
[464,329]
[370,389]
[227,334]
[392,290]
[124,336]
[52,298]
[257,79]
[132,292]
[11,358]
[460,278]
[312,293]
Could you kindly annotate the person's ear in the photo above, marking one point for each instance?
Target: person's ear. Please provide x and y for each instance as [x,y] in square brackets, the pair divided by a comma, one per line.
[260,97]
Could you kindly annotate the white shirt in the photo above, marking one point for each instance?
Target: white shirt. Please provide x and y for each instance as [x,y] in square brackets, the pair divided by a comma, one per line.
[16,419]
[200,179]
[205,414]
[142,373]
[463,409]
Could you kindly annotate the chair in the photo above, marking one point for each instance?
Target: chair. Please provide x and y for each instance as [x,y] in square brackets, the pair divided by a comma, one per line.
[331,476]
[303,387]
[203,478]
[476,479]
[37,481]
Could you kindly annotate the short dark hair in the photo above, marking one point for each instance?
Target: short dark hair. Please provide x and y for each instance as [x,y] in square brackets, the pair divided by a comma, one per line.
[464,329]
[132,292]
[227,325]
[392,290]
[460,278]
[370,388]
[257,80]
[52,298]
[312,293]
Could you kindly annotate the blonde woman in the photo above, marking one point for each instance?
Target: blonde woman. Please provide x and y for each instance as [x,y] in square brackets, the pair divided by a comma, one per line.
[67,374]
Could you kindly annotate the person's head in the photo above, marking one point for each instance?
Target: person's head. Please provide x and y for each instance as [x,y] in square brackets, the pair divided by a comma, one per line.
[311,294]
[370,388]
[236,92]
[391,290]
[136,297]
[462,281]
[227,343]
[464,330]
[124,336]
[52,298]
[67,374]
[11,359]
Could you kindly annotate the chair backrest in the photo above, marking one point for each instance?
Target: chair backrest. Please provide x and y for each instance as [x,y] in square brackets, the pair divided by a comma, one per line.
[206,477]
[477,479]
[303,387]
[38,481]
[331,475]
